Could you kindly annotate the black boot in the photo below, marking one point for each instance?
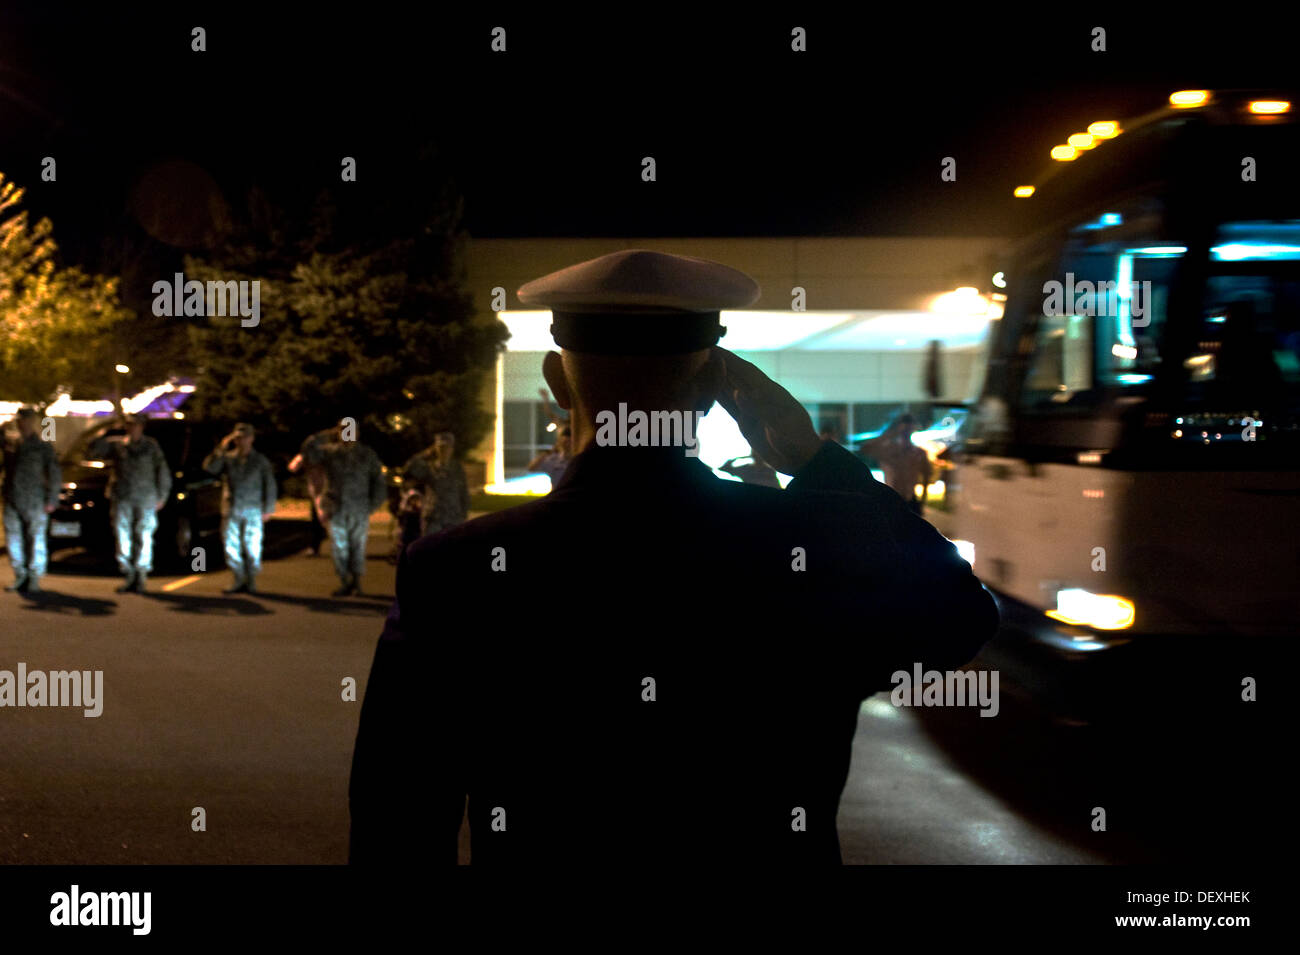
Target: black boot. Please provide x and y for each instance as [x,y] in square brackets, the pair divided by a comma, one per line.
[127,586]
[19,585]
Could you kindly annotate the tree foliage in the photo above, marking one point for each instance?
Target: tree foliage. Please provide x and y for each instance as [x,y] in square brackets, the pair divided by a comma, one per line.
[51,318]
[363,315]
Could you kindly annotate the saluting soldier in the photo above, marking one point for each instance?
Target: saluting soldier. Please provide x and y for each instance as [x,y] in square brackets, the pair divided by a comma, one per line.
[354,489]
[445,490]
[905,465]
[139,487]
[32,479]
[247,502]
[316,490]
[554,462]
[699,697]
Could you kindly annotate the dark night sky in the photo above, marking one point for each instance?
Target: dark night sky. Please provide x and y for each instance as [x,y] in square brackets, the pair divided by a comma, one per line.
[750,139]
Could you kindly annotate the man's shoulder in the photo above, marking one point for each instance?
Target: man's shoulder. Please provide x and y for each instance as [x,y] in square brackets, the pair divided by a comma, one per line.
[503,527]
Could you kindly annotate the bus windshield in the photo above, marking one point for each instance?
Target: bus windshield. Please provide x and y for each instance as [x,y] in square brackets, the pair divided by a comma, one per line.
[1247,348]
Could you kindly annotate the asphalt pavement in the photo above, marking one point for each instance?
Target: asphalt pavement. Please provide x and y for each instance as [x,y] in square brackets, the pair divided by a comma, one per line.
[235,705]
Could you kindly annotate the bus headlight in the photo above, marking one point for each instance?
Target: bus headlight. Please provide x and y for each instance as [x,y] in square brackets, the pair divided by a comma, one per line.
[1099,611]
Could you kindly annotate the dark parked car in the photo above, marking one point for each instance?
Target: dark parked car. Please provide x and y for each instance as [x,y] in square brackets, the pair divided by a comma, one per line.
[192,513]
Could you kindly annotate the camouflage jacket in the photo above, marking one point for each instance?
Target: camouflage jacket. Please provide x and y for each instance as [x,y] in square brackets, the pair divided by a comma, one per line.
[250,482]
[354,475]
[32,477]
[140,471]
[446,492]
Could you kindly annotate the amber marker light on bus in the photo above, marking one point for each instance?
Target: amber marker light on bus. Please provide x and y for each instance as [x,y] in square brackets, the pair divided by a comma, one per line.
[1082,140]
[1104,129]
[1064,153]
[1024,192]
[1185,99]
[1099,611]
[1269,107]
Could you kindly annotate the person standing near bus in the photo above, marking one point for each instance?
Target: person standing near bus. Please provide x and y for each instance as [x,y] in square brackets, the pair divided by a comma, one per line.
[905,465]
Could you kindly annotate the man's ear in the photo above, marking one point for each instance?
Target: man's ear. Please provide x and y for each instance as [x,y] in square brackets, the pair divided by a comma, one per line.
[553,372]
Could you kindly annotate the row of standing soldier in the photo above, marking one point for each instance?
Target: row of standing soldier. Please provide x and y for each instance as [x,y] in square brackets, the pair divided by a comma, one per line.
[139,485]
[344,476]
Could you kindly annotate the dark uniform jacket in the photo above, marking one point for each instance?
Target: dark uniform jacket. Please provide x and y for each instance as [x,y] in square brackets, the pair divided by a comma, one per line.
[514,666]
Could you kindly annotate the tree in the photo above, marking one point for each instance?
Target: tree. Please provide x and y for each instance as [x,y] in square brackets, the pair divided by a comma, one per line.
[363,315]
[51,318]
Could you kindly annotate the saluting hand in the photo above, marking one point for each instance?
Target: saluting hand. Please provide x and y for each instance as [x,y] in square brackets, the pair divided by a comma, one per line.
[776,426]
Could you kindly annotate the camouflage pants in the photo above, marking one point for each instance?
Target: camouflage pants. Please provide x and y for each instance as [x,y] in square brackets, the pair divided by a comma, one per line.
[25,540]
[242,533]
[348,532]
[133,526]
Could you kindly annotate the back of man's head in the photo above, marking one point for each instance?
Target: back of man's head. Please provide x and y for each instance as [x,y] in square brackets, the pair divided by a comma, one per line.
[647,382]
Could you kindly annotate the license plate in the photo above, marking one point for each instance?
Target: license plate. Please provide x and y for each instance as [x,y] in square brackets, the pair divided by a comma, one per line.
[65,529]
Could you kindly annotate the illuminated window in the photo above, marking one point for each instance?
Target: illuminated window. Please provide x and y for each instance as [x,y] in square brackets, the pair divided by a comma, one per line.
[1103,315]
[1247,347]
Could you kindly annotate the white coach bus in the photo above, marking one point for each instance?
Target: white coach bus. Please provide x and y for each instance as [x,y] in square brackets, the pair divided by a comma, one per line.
[1129,479]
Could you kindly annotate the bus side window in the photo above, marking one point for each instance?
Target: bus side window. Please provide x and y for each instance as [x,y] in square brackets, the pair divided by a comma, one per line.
[1061,363]
[1248,346]
[1103,316]
[1129,334]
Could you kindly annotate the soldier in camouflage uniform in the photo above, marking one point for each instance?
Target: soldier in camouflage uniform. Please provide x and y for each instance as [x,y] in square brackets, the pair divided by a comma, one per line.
[446,493]
[31,493]
[354,490]
[248,501]
[140,486]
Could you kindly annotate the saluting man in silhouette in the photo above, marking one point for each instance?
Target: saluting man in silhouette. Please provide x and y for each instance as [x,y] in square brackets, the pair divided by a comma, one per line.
[695,697]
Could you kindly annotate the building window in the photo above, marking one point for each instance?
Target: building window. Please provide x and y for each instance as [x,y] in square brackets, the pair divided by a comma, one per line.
[525,434]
